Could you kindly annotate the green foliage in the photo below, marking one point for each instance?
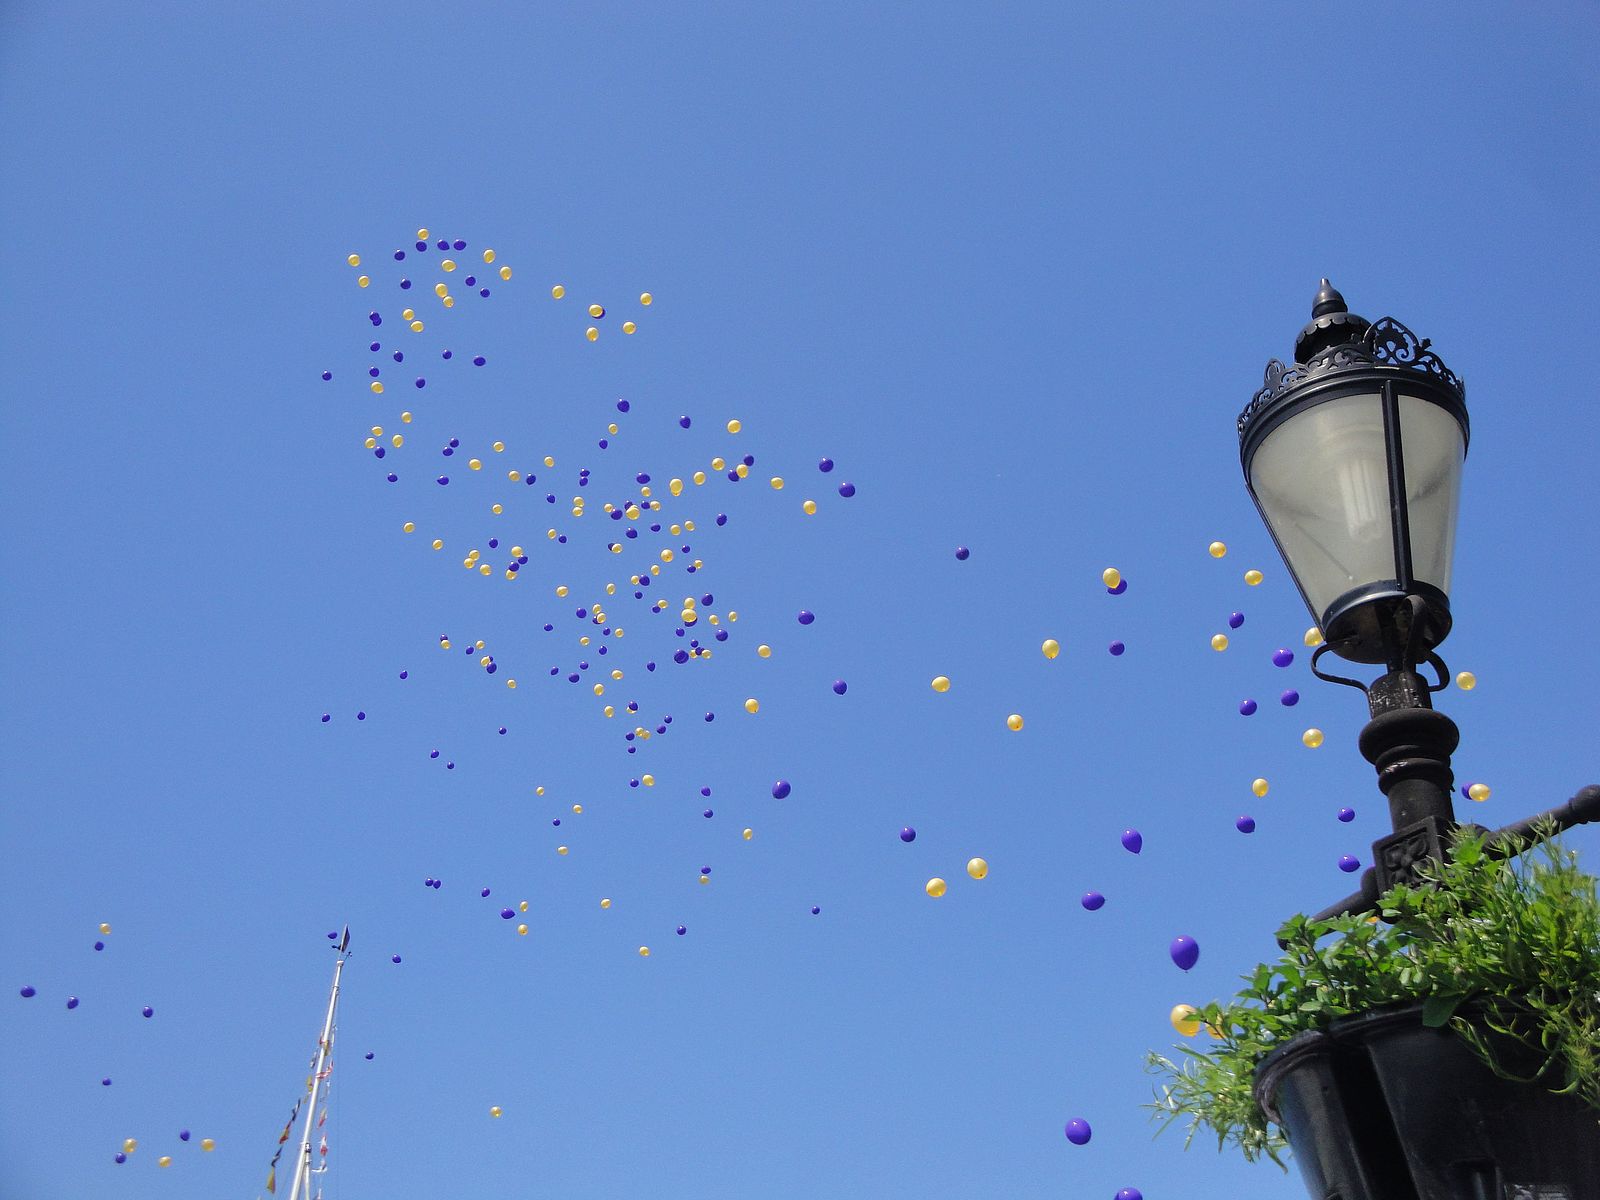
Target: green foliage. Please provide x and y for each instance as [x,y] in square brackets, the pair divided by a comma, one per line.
[1516,941]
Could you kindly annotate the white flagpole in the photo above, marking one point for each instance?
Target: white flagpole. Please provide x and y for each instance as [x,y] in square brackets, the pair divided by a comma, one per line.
[302,1167]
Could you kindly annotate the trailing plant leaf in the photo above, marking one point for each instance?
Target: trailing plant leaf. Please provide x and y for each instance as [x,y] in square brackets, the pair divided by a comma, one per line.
[1504,953]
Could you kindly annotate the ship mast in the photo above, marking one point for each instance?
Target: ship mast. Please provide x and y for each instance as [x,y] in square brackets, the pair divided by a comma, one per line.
[301,1188]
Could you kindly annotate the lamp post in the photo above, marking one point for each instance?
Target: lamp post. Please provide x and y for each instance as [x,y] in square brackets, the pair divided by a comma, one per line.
[1353,455]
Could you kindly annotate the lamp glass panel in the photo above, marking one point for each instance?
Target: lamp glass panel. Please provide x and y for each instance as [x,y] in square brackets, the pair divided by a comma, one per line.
[1433,451]
[1321,478]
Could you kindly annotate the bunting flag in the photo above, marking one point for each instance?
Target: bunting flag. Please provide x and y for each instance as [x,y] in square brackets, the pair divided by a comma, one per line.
[324,1147]
[272,1181]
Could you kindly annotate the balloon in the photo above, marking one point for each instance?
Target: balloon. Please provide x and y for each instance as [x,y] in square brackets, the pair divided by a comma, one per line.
[1051,647]
[592,333]
[596,311]
[210,1144]
[764,651]
[748,834]
[644,951]
[606,902]
[354,260]
[1347,815]
[105,928]
[394,958]
[1466,680]
[72,1002]
[962,554]
[1116,649]
[148,1011]
[1128,1193]
[1078,1131]
[1247,708]
[1282,658]
[645,298]
[629,327]
[1093,901]
[121,1158]
[1185,952]
[809,508]
[557,292]
[1245,824]
[494,1111]
[1184,1020]
[1479,792]
[941,683]
[1289,698]
[1122,586]
[1259,787]
[1235,619]
[1014,722]
[816,910]
[1219,642]
[847,489]
[1217,549]
[1312,738]
[130,1145]
[1313,637]
[734,426]
[935,887]
[752,705]
[825,465]
[29,991]
[1111,577]
[806,617]
[1253,577]
[1132,841]
[908,834]
[977,868]
[1349,863]
[780,789]
[164,1161]
[840,687]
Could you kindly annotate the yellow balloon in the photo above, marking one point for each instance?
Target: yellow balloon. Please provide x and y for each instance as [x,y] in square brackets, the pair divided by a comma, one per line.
[448,264]
[1479,792]
[592,334]
[629,327]
[1312,738]
[208,1144]
[377,387]
[1014,722]
[1466,680]
[488,256]
[1259,787]
[648,780]
[1313,636]
[1111,576]
[1217,549]
[748,834]
[809,508]
[1253,577]
[416,327]
[561,850]
[409,527]
[1184,1017]
[1219,642]
[505,272]
[752,705]
[522,931]
[675,486]
[596,311]
[1051,647]
[354,260]
[941,683]
[440,290]
[764,651]
[363,281]
[164,1161]
[523,907]
[935,887]
[734,427]
[104,927]
[129,1145]
[557,292]
[699,477]
[577,809]
[407,314]
[977,868]
[644,951]
[438,544]
[645,298]
[406,417]
[495,1111]
[606,902]
[422,235]
[777,483]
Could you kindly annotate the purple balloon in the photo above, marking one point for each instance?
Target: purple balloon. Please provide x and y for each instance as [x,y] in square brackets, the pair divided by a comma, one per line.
[682,929]
[72,1002]
[1116,649]
[847,490]
[962,554]
[1282,657]
[106,1082]
[29,991]
[815,910]
[1132,841]
[1347,815]
[1078,1131]
[148,1011]
[825,465]
[1245,824]
[1128,1194]
[1247,708]
[369,1055]
[183,1135]
[507,913]
[121,1157]
[840,687]
[1122,586]
[1093,901]
[908,834]
[780,789]
[1185,952]
[806,616]
[1235,620]
[1349,863]
[394,958]
[485,892]
[1289,699]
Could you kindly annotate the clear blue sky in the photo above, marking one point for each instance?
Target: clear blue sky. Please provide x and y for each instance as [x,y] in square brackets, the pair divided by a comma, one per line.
[1016,269]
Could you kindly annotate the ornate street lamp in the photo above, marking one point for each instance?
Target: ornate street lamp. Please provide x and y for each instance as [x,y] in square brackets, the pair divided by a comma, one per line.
[1353,456]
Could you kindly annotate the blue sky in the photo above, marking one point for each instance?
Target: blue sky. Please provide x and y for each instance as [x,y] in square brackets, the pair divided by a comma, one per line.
[1016,270]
